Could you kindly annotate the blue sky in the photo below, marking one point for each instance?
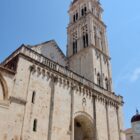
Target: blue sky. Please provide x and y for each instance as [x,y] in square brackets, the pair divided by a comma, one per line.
[36,21]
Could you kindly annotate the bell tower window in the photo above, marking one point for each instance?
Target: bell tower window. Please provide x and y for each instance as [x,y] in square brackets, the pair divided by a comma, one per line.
[74,43]
[75,17]
[83,10]
[75,47]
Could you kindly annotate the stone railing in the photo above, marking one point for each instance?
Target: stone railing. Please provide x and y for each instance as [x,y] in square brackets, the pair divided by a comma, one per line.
[61,69]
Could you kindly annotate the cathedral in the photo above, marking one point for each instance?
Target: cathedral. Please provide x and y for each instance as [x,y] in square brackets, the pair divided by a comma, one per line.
[47,95]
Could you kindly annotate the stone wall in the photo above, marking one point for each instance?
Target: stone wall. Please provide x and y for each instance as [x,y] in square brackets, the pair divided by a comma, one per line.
[37,93]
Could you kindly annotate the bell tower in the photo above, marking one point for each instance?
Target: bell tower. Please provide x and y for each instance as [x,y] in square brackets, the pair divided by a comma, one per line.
[87,49]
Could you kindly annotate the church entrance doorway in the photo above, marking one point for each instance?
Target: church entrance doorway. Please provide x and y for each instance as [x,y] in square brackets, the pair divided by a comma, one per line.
[83,128]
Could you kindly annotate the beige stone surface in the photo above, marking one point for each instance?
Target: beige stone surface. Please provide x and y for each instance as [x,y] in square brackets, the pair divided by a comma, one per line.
[42,99]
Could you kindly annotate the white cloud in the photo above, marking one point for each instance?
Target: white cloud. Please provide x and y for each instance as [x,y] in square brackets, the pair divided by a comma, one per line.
[135,75]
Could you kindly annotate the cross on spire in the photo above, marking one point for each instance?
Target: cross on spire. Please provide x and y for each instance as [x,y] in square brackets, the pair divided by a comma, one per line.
[137,111]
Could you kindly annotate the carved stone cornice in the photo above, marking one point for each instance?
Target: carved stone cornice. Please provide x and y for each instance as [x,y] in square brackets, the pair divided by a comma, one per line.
[75,85]
[45,68]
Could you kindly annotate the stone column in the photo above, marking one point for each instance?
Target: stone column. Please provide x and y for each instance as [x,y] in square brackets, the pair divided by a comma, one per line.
[32,69]
[94,116]
[101,68]
[109,76]
[118,122]
[52,84]
[71,113]
[107,118]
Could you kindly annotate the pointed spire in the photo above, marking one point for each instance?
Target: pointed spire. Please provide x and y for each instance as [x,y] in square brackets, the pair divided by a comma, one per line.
[137,112]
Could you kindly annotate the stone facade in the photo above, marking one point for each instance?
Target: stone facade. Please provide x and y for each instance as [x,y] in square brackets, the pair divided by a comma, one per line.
[45,95]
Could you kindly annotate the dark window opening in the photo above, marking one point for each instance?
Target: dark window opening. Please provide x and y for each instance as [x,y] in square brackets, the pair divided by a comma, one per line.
[95,37]
[131,137]
[76,16]
[78,124]
[98,79]
[83,11]
[35,125]
[75,47]
[85,40]
[33,97]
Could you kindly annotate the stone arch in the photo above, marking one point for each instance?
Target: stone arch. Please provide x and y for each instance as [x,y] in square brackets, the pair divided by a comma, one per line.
[4,87]
[83,127]
[82,113]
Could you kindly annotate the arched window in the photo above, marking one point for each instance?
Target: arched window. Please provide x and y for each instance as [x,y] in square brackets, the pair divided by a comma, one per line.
[74,42]
[75,47]
[33,97]
[35,125]
[84,11]
[85,36]
[74,18]
[86,39]
[98,79]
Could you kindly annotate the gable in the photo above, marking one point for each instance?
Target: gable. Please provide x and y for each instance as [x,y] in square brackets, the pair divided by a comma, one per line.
[51,50]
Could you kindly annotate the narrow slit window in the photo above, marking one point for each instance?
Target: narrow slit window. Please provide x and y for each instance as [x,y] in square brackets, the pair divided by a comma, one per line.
[75,47]
[98,79]
[86,40]
[33,97]
[35,125]
[76,16]
[85,10]
[82,12]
